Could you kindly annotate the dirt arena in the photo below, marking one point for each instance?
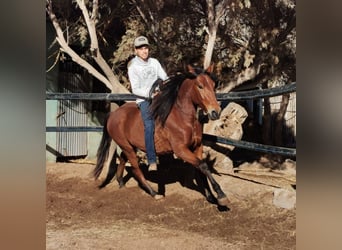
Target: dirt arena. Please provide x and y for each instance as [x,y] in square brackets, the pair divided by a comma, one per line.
[81,216]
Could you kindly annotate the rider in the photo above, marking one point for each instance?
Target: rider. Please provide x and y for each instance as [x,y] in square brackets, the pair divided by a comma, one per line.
[143,71]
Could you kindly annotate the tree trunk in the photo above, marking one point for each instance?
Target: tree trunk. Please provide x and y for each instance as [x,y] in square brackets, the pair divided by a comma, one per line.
[210,48]
[267,122]
[279,121]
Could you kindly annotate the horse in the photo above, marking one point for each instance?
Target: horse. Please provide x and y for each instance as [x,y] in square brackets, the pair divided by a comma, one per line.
[177,129]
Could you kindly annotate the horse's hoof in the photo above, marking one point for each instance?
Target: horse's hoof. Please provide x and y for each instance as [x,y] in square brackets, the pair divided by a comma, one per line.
[158,197]
[223,201]
[211,199]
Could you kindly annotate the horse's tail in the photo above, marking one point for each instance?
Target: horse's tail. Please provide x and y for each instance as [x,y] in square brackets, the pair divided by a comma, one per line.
[102,151]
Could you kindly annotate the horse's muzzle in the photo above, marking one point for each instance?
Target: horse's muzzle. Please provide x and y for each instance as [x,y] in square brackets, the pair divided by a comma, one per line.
[214,115]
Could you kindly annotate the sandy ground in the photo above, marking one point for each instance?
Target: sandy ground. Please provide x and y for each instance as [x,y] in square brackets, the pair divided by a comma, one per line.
[81,216]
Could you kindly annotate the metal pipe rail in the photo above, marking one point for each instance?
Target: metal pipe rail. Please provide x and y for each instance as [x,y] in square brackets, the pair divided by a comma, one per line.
[231,96]
[212,138]
[251,145]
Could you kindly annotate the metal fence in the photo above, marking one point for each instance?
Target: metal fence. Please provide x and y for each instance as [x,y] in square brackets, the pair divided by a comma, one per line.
[231,96]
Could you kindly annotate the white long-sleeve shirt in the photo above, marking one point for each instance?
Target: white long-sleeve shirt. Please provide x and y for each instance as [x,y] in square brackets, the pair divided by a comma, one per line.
[142,74]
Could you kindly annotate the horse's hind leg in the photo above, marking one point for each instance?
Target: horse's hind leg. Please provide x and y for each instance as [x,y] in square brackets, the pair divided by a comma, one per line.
[120,170]
[132,157]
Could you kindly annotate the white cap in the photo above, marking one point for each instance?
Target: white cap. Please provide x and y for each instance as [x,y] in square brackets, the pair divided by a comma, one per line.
[140,41]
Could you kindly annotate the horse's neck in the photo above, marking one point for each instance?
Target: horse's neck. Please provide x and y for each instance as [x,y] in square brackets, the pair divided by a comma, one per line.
[184,103]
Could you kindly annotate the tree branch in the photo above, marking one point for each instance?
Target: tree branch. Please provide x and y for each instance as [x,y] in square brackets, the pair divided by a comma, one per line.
[66,48]
[111,79]
[94,46]
[243,76]
[221,9]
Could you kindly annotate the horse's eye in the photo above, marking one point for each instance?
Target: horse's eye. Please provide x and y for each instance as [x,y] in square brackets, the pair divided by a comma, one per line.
[200,86]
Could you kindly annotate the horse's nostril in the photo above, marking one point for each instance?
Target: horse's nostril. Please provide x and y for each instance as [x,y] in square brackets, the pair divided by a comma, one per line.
[214,115]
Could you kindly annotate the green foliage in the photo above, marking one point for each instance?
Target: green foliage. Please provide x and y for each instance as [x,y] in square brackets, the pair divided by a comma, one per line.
[82,33]
[250,34]
[125,48]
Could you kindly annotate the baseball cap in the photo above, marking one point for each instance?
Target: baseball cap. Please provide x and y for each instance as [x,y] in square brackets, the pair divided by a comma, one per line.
[140,41]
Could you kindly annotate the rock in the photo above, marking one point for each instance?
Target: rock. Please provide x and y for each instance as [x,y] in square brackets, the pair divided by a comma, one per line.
[284,198]
[224,166]
[228,126]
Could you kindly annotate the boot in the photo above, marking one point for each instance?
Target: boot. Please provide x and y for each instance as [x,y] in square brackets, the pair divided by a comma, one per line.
[152,167]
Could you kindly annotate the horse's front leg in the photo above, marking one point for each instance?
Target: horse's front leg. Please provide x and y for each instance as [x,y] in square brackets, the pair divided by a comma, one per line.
[184,153]
[201,178]
[222,198]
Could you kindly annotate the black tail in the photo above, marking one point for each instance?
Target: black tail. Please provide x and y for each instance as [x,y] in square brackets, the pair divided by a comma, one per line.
[111,171]
[102,151]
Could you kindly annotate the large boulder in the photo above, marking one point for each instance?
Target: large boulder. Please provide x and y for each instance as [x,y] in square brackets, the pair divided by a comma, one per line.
[228,126]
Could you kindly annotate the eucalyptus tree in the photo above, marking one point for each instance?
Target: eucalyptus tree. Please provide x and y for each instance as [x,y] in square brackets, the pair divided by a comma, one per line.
[84,22]
[259,47]
[249,41]
[246,40]
[176,26]
[242,37]
[258,42]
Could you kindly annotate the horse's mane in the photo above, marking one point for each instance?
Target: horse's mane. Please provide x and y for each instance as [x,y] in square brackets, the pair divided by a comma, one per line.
[168,90]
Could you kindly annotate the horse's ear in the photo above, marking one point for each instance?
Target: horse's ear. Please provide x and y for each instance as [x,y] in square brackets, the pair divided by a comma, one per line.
[210,69]
[191,69]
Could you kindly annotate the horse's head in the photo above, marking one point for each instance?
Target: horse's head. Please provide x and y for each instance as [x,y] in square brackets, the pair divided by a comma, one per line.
[203,93]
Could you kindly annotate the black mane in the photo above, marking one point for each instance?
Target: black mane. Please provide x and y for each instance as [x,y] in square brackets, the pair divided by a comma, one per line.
[168,90]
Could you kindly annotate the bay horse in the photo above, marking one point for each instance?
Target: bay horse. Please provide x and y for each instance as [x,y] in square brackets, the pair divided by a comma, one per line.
[177,129]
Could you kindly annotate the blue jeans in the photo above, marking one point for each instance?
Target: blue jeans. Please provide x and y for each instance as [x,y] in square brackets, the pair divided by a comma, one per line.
[148,131]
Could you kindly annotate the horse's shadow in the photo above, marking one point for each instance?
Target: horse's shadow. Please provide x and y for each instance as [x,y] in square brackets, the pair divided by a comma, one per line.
[171,170]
